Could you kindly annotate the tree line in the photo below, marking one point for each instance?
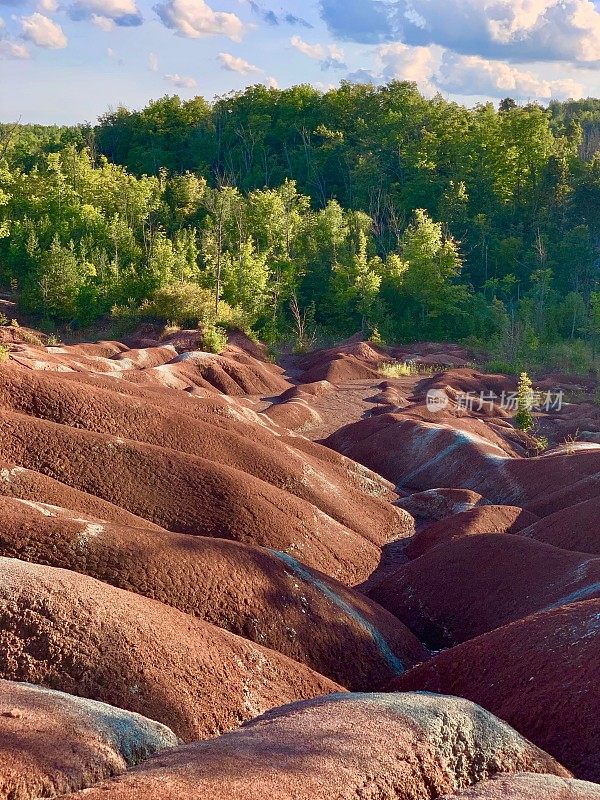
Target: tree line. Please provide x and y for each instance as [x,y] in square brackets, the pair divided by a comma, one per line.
[363,207]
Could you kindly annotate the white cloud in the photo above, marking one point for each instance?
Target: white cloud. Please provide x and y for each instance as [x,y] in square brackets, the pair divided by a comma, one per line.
[272,83]
[152,62]
[114,56]
[43,32]
[403,63]
[510,30]
[235,64]
[316,51]
[473,75]
[434,69]
[331,56]
[48,6]
[181,81]
[105,14]
[194,18]
[105,24]
[399,62]
[13,50]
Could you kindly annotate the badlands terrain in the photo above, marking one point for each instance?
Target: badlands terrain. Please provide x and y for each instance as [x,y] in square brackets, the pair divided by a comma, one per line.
[222,578]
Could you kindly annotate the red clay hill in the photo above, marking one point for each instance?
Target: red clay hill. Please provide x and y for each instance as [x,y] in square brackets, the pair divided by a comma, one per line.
[226,578]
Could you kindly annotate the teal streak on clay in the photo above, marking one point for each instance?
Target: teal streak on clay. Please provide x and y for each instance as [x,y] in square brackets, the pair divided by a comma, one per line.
[382,646]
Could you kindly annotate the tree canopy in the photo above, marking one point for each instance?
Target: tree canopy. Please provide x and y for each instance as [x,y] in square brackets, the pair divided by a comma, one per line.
[372,206]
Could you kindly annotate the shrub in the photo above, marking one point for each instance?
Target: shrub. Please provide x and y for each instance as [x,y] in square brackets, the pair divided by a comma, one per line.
[540,444]
[376,337]
[397,369]
[29,337]
[214,338]
[180,304]
[3,319]
[233,318]
[125,318]
[573,356]
[524,417]
[499,366]
[4,351]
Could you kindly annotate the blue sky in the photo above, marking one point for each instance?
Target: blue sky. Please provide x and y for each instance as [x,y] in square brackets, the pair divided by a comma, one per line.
[70,60]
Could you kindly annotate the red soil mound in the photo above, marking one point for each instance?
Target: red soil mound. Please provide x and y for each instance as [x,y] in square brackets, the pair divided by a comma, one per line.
[146,357]
[470,381]
[527,786]
[89,741]
[295,415]
[392,747]
[419,455]
[469,454]
[547,475]
[102,349]
[340,369]
[470,586]
[539,674]
[245,446]
[187,494]
[316,389]
[557,499]
[235,372]
[355,347]
[485,519]
[437,504]
[258,594]
[350,361]
[222,373]
[27,484]
[389,396]
[70,632]
[573,528]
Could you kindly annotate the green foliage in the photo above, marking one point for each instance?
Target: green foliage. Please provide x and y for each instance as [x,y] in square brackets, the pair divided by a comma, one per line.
[214,338]
[374,207]
[541,444]
[523,417]
[4,352]
[397,369]
[182,304]
[500,367]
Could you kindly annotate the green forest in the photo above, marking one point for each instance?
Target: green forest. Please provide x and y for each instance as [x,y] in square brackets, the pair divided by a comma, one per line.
[303,217]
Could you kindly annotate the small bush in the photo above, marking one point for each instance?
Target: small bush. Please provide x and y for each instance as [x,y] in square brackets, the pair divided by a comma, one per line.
[180,304]
[500,367]
[214,338]
[169,329]
[4,351]
[574,356]
[524,417]
[398,369]
[376,337]
[125,318]
[233,318]
[29,337]
[3,319]
[14,323]
[540,444]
